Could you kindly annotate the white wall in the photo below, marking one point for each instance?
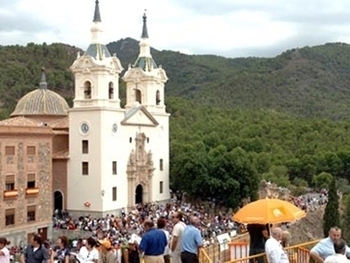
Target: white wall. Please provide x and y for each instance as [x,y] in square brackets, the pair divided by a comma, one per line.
[84,188]
[115,147]
[106,147]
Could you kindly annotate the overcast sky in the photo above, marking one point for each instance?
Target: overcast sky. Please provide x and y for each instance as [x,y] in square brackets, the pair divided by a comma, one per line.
[231,28]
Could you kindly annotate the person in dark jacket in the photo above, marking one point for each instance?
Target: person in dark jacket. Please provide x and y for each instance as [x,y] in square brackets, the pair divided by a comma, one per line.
[131,253]
[258,236]
[35,252]
[62,255]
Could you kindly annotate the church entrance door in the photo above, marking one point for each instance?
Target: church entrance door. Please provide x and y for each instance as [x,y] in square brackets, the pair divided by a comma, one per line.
[139,194]
[58,200]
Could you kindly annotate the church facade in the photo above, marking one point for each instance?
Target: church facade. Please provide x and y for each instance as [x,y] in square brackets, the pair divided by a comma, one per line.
[118,156]
[94,158]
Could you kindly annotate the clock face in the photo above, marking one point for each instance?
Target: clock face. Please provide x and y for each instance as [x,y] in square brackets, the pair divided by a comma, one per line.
[84,128]
[114,128]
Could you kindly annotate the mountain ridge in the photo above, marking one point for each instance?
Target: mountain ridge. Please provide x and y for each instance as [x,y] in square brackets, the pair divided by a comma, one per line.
[308,81]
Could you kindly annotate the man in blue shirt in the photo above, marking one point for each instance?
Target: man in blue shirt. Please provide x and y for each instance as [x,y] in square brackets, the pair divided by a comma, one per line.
[153,243]
[325,247]
[191,242]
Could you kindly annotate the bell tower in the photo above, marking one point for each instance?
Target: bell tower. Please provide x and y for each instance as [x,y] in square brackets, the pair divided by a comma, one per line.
[93,128]
[96,72]
[145,80]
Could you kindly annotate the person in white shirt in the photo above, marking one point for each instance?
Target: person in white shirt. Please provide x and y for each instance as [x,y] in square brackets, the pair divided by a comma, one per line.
[339,256]
[4,252]
[325,247]
[88,253]
[177,233]
[273,248]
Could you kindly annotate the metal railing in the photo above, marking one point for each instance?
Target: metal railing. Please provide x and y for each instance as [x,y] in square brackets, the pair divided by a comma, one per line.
[219,252]
[204,257]
[299,253]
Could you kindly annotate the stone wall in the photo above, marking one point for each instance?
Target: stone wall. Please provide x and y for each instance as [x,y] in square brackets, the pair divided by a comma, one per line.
[271,190]
[19,236]
[70,234]
[44,180]
[20,165]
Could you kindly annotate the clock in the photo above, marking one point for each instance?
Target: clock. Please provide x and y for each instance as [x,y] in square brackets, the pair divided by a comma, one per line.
[114,128]
[84,128]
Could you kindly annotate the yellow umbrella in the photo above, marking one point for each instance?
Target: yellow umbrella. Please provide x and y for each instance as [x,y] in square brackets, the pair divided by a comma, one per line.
[268,211]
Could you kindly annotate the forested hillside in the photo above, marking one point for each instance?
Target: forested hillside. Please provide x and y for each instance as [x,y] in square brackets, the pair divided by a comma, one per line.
[224,153]
[311,81]
[20,71]
[234,121]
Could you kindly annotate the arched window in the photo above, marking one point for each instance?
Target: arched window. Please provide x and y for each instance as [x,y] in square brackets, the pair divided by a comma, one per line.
[110,90]
[138,95]
[87,90]
[157,97]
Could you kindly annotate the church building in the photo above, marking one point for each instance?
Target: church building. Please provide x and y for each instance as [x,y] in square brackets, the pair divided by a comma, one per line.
[118,156]
[94,158]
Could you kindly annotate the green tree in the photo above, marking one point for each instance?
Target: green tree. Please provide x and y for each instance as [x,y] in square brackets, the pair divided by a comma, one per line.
[299,182]
[346,217]
[322,180]
[278,175]
[343,186]
[331,214]
[241,168]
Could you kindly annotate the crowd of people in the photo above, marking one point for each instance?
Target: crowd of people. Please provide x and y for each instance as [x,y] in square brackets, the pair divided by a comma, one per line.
[311,201]
[119,228]
[157,245]
[127,228]
[159,232]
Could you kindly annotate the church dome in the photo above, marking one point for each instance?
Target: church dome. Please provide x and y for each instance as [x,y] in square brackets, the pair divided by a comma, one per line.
[98,51]
[146,63]
[41,101]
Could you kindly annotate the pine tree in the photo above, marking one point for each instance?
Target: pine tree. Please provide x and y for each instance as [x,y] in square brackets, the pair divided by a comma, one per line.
[346,217]
[331,215]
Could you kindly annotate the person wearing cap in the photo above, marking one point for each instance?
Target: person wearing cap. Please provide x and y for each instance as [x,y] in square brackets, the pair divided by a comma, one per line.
[131,253]
[153,243]
[106,254]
